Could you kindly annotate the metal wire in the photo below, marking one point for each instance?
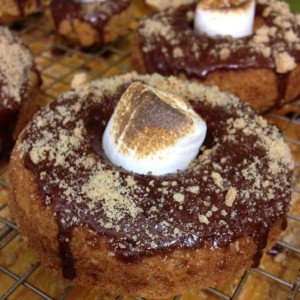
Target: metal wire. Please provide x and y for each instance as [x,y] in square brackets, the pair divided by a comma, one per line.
[8,232]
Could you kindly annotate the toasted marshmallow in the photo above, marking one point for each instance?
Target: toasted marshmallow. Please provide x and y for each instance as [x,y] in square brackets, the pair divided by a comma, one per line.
[153,131]
[89,1]
[164,4]
[225,17]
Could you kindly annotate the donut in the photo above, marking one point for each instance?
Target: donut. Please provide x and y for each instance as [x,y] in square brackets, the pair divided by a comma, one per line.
[101,226]
[262,69]
[19,83]
[17,10]
[89,23]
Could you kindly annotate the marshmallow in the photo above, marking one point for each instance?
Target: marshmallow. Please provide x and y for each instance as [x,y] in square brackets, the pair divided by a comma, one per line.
[225,17]
[153,131]
[164,4]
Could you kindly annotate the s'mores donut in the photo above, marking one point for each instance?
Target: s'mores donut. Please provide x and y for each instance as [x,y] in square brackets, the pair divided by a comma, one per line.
[91,22]
[101,197]
[247,49]
[19,83]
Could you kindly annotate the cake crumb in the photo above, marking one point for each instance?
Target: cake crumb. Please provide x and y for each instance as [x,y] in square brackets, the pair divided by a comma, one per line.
[78,80]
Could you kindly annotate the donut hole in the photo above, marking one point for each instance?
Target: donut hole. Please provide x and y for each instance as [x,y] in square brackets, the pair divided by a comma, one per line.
[258,23]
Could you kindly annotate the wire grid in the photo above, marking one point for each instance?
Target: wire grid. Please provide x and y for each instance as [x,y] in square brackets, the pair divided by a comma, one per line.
[58,63]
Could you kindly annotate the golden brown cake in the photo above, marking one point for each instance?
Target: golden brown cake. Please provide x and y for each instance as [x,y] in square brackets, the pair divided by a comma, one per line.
[89,23]
[101,226]
[17,10]
[262,69]
[19,82]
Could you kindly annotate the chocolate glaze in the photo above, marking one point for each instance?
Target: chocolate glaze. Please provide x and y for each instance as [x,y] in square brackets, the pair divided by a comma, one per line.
[96,14]
[8,117]
[208,61]
[145,235]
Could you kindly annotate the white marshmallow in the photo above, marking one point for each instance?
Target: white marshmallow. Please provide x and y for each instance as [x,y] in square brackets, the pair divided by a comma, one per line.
[153,131]
[222,18]
[164,4]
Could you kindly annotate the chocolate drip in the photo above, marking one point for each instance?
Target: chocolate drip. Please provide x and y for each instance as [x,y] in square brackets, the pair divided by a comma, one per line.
[8,118]
[134,238]
[262,240]
[282,84]
[67,260]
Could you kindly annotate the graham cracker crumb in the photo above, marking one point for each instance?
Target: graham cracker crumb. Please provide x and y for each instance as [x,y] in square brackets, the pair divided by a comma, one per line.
[284,62]
[224,53]
[218,180]
[179,198]
[78,80]
[203,219]
[230,196]
[177,53]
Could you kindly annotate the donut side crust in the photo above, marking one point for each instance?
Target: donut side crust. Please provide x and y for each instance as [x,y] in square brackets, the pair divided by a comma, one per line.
[29,105]
[83,33]
[10,13]
[155,276]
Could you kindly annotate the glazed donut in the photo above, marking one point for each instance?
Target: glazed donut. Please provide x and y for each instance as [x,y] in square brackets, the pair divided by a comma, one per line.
[19,82]
[17,10]
[153,236]
[89,23]
[262,69]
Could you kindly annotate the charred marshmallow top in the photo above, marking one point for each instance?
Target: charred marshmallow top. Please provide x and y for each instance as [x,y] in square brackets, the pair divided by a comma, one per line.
[153,131]
[225,17]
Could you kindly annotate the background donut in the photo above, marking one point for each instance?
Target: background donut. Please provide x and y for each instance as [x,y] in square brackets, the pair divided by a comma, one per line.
[261,69]
[19,82]
[93,22]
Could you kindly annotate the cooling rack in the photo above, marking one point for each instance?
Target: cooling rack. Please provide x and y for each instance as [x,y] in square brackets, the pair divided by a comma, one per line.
[23,277]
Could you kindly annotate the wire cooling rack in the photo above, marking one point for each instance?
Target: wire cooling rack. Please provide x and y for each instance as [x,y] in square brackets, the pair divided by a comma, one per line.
[23,277]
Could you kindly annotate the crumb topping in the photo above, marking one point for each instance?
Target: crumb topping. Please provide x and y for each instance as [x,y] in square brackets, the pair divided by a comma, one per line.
[243,178]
